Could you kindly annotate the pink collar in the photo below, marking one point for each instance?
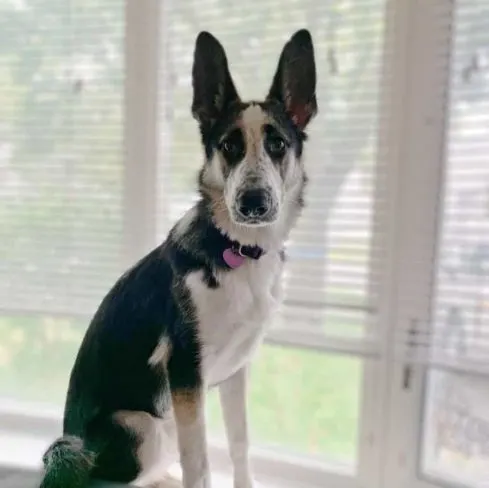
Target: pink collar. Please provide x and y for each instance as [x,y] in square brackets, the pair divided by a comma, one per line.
[235,255]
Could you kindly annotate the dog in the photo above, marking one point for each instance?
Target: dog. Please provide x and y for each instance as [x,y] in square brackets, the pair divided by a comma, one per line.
[190,314]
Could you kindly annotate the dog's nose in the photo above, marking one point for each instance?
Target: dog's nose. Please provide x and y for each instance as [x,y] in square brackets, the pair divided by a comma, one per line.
[254,203]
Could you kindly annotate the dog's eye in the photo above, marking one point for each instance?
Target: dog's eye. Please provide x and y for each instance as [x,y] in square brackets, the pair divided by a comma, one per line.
[276,146]
[229,147]
[232,147]
[231,151]
[274,143]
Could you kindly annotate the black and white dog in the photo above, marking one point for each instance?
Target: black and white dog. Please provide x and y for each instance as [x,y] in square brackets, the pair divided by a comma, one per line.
[190,314]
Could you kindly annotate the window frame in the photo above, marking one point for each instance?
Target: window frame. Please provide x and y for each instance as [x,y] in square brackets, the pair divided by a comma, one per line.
[420,193]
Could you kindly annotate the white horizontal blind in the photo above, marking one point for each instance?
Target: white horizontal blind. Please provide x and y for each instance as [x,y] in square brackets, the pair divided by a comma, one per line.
[61,74]
[458,335]
[331,274]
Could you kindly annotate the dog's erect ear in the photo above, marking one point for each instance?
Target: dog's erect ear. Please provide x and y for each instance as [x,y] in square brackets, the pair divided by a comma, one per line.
[213,86]
[294,83]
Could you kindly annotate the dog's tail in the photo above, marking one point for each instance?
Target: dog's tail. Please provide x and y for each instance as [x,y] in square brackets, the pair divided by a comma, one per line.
[67,464]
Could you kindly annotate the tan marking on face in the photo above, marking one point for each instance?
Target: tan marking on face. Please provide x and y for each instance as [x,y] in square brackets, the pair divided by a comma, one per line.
[187,403]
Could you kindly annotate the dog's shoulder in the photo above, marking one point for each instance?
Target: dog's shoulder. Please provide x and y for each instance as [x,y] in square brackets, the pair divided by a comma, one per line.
[140,294]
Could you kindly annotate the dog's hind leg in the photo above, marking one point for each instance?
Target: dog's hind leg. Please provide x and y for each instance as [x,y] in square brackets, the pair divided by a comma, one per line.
[115,447]
[155,447]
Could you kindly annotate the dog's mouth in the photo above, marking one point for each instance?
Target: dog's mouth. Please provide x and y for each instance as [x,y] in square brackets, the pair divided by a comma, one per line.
[254,208]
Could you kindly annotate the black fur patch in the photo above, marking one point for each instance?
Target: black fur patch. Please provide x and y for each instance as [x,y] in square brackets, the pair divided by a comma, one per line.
[116,447]
[212,134]
[275,144]
[233,147]
[294,135]
[210,279]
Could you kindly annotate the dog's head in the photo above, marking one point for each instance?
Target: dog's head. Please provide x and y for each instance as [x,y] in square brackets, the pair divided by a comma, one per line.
[253,174]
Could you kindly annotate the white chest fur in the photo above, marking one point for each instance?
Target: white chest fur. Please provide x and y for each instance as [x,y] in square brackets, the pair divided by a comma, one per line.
[232,318]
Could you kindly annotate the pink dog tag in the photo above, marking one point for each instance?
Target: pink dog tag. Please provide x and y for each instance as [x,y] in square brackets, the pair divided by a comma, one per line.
[232,259]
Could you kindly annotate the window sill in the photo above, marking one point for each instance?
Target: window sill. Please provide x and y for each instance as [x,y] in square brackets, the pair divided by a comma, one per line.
[27,430]
[21,454]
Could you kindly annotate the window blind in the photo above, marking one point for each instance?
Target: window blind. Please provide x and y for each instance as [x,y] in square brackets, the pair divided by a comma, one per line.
[458,335]
[61,73]
[330,282]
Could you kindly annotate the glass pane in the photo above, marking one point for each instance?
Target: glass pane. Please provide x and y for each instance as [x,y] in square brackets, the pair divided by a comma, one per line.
[304,402]
[456,429]
[36,357]
[61,79]
[461,308]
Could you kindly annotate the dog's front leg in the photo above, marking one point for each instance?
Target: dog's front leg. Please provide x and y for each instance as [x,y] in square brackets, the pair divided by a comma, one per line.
[233,401]
[188,397]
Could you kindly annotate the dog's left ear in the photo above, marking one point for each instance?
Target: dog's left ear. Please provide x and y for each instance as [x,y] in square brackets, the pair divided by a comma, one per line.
[294,83]
[213,86]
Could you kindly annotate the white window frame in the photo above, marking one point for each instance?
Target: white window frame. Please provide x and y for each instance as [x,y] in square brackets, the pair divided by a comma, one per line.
[423,114]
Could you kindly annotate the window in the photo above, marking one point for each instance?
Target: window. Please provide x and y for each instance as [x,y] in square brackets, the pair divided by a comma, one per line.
[375,372]
[61,183]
